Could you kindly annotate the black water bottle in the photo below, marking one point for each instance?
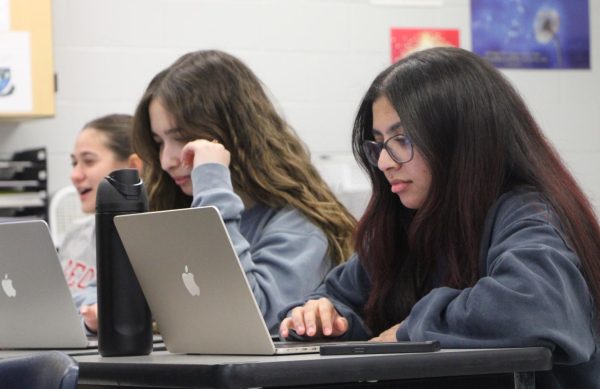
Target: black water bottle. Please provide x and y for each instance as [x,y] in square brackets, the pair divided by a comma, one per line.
[124,319]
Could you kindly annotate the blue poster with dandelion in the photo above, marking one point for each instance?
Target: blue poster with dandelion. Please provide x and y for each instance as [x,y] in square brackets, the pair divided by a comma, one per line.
[538,34]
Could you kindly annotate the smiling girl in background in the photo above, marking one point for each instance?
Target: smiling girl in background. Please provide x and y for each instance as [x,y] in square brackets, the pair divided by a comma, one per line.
[102,145]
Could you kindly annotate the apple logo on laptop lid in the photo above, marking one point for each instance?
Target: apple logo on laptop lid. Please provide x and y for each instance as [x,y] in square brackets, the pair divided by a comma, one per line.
[7,287]
[190,283]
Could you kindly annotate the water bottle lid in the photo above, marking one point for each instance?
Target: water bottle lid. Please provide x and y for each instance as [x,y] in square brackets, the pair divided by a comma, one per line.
[126,181]
[121,191]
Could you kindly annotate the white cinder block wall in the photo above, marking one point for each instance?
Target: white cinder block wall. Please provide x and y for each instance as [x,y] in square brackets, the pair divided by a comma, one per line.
[317,58]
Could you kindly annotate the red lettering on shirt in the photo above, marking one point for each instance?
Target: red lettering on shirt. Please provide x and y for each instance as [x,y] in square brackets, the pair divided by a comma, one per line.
[78,274]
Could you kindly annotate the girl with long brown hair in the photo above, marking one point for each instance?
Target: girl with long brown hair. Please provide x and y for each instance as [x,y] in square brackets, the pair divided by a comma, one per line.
[209,135]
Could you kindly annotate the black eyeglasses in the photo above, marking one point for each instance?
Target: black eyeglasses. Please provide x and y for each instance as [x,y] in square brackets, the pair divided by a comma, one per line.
[399,147]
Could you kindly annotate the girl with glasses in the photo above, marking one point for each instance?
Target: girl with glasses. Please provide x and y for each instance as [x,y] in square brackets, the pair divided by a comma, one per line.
[209,136]
[476,233]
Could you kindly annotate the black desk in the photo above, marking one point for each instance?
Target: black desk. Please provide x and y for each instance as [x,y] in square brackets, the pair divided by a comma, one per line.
[493,368]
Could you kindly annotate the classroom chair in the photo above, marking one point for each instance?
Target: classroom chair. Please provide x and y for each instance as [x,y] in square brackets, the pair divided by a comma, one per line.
[43,370]
[64,211]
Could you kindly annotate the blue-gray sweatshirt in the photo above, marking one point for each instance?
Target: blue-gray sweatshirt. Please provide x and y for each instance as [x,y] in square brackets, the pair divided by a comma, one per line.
[284,255]
[531,293]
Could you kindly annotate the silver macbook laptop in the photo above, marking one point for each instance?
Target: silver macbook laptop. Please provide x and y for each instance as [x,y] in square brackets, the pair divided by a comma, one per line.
[194,284]
[36,307]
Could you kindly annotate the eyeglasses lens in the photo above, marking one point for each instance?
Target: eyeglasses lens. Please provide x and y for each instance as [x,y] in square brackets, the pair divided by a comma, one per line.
[372,151]
[399,148]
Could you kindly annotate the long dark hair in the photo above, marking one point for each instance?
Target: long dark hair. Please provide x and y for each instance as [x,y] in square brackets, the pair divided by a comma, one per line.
[213,95]
[479,140]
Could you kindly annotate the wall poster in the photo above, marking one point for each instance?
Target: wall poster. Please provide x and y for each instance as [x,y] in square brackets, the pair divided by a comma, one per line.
[16,93]
[407,40]
[539,34]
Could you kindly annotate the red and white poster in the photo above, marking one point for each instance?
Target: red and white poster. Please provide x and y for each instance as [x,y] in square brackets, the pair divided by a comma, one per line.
[407,40]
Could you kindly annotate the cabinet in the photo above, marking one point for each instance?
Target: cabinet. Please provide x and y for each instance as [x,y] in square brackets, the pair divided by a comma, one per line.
[24,186]
[33,20]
